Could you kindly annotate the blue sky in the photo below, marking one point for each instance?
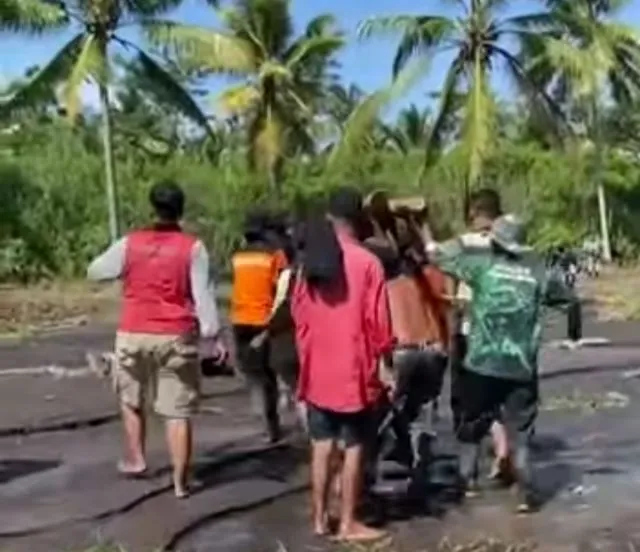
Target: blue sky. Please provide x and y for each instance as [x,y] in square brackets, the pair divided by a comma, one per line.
[367,64]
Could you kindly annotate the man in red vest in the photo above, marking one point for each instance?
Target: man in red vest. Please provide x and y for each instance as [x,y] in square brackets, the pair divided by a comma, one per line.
[167,305]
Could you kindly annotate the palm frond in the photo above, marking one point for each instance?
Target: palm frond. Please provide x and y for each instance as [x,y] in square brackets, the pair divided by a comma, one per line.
[201,48]
[238,99]
[31,15]
[544,105]
[449,99]
[315,46]
[45,80]
[148,8]
[90,64]
[269,21]
[479,122]
[366,115]
[169,91]
[321,25]
[419,34]
[582,66]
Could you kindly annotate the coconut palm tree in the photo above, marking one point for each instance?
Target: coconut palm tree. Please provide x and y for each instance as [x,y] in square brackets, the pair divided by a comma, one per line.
[283,79]
[86,58]
[411,129]
[480,40]
[589,57]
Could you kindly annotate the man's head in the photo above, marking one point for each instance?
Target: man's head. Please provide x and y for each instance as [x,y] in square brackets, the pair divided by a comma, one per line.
[484,208]
[167,200]
[255,227]
[346,207]
[509,234]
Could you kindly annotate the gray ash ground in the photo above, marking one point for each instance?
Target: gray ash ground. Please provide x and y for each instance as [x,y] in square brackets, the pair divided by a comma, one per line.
[58,489]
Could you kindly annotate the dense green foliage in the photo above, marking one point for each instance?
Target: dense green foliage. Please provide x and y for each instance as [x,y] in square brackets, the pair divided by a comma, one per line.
[292,112]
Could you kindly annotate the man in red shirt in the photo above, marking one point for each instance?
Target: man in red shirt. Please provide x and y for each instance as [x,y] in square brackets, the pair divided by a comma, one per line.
[168,303]
[340,311]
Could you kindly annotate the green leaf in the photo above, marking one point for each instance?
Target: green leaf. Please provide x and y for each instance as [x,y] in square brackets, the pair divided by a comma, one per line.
[239,99]
[202,48]
[478,127]
[90,63]
[171,92]
[322,46]
[45,80]
[449,98]
[419,34]
[361,122]
[31,15]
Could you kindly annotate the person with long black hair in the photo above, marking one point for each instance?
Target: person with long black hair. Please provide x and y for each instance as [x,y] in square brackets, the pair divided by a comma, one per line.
[342,326]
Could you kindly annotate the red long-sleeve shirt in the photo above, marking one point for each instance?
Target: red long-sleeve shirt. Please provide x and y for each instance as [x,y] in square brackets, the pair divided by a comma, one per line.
[341,333]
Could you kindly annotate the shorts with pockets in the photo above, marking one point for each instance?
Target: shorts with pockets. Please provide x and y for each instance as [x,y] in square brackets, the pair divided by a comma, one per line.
[160,369]
[348,428]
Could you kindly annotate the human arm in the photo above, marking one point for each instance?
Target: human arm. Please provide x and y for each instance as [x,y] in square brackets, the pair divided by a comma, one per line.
[203,292]
[377,314]
[109,265]
[457,260]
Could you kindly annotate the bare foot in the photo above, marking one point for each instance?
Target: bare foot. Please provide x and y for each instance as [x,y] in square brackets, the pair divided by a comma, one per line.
[359,532]
[131,469]
[181,491]
[321,526]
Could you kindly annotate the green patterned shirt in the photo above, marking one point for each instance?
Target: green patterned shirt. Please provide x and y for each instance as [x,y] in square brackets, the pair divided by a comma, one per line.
[508,295]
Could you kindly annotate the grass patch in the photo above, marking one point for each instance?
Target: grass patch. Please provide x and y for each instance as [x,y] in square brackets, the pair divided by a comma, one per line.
[615,293]
[28,310]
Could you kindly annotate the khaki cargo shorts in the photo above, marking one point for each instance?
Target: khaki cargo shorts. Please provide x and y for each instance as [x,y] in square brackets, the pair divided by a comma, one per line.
[159,369]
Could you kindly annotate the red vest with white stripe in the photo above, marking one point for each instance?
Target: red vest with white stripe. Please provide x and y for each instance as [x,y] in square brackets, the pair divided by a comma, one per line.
[157,295]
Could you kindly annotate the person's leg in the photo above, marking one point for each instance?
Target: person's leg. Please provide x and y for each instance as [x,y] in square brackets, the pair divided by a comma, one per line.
[271,395]
[456,364]
[262,380]
[406,366]
[355,431]
[130,373]
[177,396]
[520,413]
[323,433]
[134,424]
[501,464]
[180,444]
[477,404]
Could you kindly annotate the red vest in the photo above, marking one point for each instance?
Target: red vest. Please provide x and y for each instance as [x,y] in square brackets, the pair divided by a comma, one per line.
[156,283]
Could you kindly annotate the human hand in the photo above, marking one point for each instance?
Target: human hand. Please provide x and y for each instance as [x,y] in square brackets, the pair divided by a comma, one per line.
[215,349]
[259,340]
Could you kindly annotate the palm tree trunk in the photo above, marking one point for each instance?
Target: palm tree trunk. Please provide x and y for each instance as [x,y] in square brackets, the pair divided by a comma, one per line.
[109,168]
[598,145]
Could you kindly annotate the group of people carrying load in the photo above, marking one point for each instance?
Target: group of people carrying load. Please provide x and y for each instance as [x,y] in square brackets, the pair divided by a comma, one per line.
[360,311]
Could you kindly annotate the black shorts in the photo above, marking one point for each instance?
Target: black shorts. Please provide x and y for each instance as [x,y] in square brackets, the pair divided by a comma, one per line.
[484,399]
[350,428]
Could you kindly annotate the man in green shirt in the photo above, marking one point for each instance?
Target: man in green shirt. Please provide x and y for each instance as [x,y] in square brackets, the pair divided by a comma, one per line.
[510,286]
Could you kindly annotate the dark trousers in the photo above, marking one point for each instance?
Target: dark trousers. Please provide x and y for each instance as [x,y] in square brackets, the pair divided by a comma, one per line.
[483,399]
[260,375]
[574,321]
[419,374]
[456,365]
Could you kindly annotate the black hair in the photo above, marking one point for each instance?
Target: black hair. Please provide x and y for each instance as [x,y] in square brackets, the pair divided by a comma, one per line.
[486,201]
[255,226]
[346,204]
[320,253]
[167,200]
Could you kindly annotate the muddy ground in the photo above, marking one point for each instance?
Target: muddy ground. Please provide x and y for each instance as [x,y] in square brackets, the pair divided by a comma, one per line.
[59,440]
